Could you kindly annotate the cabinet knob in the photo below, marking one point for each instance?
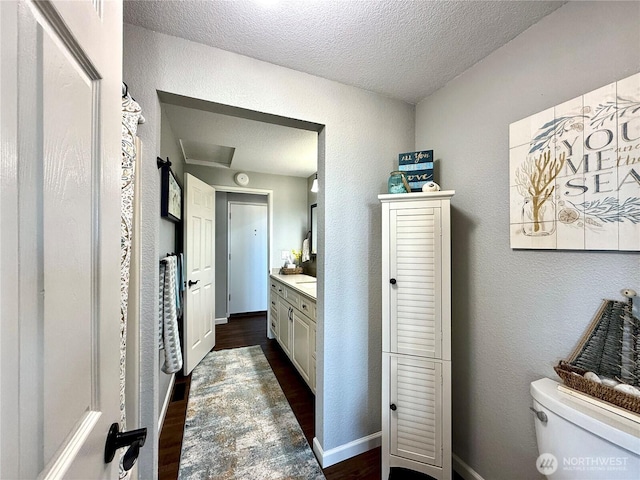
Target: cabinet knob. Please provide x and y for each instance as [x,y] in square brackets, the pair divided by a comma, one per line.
[392,281]
[393,407]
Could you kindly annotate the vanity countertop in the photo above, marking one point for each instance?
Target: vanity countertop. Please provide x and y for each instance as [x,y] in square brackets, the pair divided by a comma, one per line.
[305,284]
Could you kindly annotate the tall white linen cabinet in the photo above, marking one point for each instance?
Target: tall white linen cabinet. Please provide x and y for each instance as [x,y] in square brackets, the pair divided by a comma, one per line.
[416,333]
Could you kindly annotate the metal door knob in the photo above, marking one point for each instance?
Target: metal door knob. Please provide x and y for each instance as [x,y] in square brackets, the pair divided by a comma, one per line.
[134,439]
[193,283]
[392,281]
[393,407]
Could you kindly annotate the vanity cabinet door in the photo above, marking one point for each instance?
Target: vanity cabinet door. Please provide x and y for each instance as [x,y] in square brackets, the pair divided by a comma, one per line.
[284,325]
[301,341]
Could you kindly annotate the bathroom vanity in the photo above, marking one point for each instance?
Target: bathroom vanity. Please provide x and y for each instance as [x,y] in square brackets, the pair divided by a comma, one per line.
[292,321]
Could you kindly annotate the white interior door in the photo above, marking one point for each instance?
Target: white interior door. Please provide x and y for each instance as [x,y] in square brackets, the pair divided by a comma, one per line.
[247,258]
[199,252]
[61,137]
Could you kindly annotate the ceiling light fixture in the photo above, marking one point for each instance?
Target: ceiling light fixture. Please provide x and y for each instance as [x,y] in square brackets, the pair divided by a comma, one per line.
[314,186]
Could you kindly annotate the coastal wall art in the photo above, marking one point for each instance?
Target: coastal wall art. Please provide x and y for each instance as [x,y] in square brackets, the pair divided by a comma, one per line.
[574,173]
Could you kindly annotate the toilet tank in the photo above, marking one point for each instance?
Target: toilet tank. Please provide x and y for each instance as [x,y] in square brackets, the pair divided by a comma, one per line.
[588,442]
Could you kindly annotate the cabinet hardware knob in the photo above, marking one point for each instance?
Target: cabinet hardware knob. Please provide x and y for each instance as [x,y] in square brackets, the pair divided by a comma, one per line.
[392,281]
[393,407]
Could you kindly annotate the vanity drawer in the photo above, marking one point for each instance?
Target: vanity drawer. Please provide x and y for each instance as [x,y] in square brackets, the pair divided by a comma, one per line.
[293,297]
[277,288]
[308,307]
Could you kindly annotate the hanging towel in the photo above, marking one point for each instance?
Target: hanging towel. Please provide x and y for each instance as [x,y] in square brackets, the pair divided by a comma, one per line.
[170,340]
[180,284]
[176,285]
[305,250]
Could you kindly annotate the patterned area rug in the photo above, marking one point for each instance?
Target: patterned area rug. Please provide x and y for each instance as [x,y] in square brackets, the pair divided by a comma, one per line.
[239,424]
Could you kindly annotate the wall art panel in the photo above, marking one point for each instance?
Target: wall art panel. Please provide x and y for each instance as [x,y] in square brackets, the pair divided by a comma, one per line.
[574,173]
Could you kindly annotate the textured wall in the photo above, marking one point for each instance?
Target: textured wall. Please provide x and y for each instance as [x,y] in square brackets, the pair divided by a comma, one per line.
[169,147]
[358,146]
[516,313]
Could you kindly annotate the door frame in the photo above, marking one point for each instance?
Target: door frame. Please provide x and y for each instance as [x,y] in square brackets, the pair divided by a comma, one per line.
[229,202]
[253,191]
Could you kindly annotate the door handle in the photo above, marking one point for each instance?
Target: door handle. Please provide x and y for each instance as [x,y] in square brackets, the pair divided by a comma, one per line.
[134,439]
[392,281]
[193,283]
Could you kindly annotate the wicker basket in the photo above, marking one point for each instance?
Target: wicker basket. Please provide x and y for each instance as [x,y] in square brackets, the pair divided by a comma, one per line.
[609,348]
[573,378]
[291,271]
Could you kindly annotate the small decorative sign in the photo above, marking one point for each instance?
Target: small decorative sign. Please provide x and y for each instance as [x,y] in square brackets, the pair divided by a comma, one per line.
[574,173]
[417,168]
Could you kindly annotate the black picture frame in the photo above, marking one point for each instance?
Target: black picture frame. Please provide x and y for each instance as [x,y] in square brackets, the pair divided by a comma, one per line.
[170,196]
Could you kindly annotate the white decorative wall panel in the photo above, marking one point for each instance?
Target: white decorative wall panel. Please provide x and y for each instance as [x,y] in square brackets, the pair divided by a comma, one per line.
[575,173]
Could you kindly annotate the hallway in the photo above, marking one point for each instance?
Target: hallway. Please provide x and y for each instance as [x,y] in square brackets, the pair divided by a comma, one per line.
[242,331]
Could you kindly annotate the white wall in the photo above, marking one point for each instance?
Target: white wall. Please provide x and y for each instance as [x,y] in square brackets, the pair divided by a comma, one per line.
[170,148]
[363,133]
[516,313]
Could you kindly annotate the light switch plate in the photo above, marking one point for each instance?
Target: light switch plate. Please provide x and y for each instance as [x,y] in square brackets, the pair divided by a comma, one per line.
[284,254]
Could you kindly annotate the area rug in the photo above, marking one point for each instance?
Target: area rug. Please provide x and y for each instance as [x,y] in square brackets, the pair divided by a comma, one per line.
[239,424]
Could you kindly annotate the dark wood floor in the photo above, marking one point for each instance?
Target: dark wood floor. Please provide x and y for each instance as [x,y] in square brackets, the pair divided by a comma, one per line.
[244,331]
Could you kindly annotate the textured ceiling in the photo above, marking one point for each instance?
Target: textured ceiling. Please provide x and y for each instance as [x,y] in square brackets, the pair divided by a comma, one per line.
[401,49]
[255,146]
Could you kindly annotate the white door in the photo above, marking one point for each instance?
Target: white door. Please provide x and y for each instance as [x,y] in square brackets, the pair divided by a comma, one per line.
[248,270]
[199,252]
[60,123]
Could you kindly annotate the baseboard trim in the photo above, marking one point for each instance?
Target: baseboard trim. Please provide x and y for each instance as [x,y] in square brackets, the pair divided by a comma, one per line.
[348,450]
[165,405]
[221,321]
[464,470]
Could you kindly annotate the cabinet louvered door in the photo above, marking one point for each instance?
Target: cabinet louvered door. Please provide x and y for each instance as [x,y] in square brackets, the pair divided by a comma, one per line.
[415,268]
[416,423]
